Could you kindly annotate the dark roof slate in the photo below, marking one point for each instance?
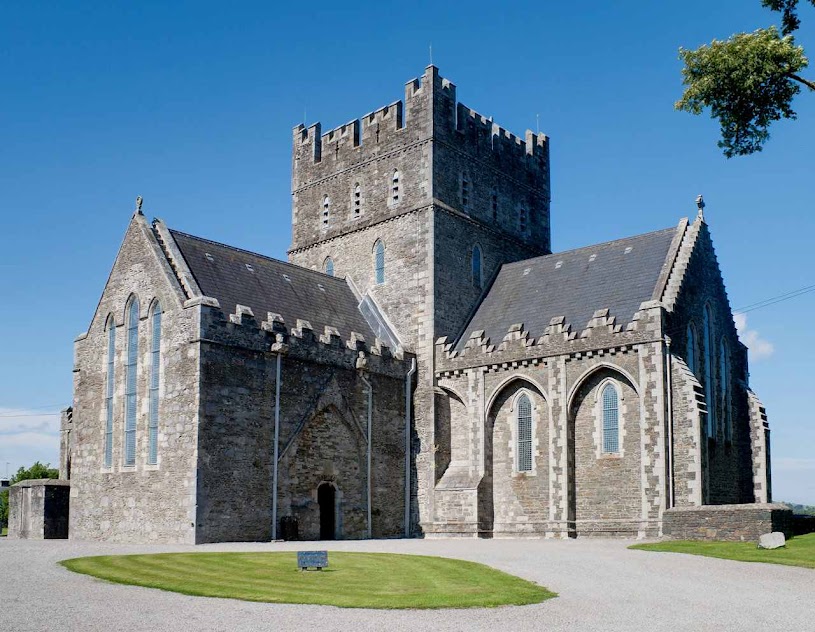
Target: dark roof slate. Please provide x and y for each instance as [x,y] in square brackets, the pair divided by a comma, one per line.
[573,285]
[234,276]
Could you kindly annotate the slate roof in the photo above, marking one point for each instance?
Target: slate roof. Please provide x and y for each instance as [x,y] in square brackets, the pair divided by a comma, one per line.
[573,284]
[234,276]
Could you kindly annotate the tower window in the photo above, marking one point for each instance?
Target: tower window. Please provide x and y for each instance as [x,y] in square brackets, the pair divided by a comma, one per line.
[155,373]
[494,201]
[465,191]
[109,392]
[476,266]
[326,210]
[524,435]
[522,220]
[328,266]
[357,200]
[611,420]
[379,262]
[131,389]
[395,187]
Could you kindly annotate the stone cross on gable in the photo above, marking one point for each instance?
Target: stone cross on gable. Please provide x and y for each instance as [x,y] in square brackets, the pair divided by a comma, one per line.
[138,205]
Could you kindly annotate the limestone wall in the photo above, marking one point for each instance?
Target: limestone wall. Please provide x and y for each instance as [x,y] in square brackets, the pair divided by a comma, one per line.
[38,510]
[727,522]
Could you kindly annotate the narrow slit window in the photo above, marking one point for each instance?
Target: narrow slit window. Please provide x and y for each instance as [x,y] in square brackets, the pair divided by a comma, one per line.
[111,359]
[357,200]
[328,266]
[522,220]
[379,262]
[155,374]
[465,191]
[326,210]
[395,187]
[494,201]
[611,420]
[131,388]
[524,438]
[476,266]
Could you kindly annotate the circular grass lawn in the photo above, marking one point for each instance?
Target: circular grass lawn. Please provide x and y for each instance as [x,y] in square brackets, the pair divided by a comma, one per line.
[352,580]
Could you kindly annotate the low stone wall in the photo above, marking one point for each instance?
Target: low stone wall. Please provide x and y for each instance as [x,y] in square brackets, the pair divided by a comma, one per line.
[38,509]
[726,522]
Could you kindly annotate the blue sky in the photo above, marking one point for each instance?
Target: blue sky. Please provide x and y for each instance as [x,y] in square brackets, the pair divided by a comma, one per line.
[191,105]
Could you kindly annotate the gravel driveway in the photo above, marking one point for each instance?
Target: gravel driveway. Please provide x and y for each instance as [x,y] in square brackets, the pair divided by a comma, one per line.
[602,586]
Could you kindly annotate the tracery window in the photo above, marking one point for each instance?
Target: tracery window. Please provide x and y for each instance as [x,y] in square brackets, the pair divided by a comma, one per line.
[523,439]
[611,420]
[131,388]
[155,374]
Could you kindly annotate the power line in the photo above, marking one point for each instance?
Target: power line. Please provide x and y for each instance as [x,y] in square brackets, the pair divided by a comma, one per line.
[780,298]
[33,415]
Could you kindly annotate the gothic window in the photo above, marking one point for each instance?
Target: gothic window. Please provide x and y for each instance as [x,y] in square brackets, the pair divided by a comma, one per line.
[522,220]
[690,351]
[724,379]
[357,200]
[524,434]
[326,210]
[394,197]
[611,420]
[379,262]
[494,201]
[476,266]
[131,370]
[465,191]
[155,373]
[328,266]
[111,359]
[707,335]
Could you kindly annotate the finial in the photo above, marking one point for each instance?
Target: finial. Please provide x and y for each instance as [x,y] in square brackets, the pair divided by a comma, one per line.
[700,204]
[138,205]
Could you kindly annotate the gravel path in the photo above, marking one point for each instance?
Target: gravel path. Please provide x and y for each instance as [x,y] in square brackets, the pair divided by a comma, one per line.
[602,586]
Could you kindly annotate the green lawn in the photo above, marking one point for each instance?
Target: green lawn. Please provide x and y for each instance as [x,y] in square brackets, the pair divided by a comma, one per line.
[799,551]
[353,580]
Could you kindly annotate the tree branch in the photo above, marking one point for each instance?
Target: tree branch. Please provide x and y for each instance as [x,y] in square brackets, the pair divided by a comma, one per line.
[808,84]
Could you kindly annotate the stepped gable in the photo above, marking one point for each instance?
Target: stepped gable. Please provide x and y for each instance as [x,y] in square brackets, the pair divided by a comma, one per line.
[617,276]
[238,277]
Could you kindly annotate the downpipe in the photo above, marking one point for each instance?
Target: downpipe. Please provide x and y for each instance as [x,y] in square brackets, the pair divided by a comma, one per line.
[408,415]
[370,414]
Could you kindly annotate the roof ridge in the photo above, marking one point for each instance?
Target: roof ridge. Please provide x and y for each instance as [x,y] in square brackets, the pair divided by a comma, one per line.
[597,245]
[255,254]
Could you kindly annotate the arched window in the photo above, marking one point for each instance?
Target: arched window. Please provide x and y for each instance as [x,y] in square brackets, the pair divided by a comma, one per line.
[465,190]
[394,197]
[357,200]
[379,262]
[690,350]
[524,435]
[111,360]
[131,389]
[724,380]
[328,266]
[611,420]
[707,335]
[326,210]
[476,265]
[155,374]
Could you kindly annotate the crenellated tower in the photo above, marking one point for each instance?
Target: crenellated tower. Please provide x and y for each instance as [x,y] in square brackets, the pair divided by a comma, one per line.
[418,203]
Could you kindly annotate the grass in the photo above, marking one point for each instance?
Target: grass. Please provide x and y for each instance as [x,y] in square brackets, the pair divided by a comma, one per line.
[352,580]
[799,551]
[4,531]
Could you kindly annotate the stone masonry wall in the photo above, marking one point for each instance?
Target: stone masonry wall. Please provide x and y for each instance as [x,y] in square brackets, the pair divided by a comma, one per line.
[38,509]
[736,523]
[142,503]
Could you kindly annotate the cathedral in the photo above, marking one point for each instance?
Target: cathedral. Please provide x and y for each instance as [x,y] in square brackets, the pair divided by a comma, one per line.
[423,365]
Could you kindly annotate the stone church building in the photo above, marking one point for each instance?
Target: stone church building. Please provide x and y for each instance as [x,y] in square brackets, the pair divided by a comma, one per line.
[423,364]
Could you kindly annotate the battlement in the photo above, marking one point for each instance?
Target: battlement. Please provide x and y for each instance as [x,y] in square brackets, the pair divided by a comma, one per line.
[429,110]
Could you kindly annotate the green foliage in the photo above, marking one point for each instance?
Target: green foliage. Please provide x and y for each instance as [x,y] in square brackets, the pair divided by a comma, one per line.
[789,13]
[799,551]
[352,580]
[747,81]
[38,470]
[805,510]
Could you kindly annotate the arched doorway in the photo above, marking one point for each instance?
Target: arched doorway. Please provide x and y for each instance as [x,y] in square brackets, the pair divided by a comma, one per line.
[326,499]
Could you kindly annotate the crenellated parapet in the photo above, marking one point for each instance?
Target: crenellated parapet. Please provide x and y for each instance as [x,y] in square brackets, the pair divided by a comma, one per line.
[299,340]
[600,336]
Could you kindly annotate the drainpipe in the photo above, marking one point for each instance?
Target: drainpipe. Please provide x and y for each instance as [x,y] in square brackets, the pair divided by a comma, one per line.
[668,364]
[408,402]
[280,349]
[362,366]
